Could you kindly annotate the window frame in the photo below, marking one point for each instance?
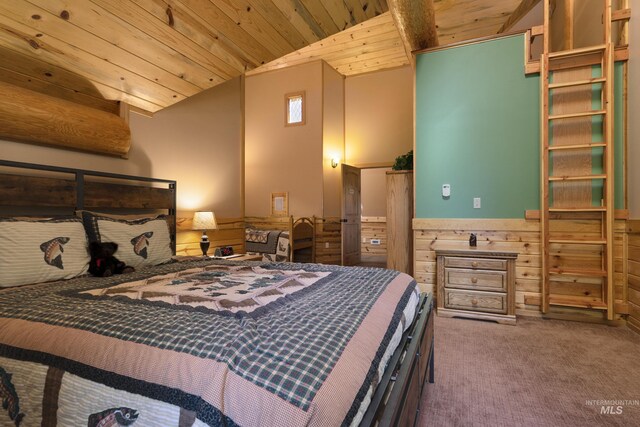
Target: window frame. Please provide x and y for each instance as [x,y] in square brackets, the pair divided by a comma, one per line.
[287,100]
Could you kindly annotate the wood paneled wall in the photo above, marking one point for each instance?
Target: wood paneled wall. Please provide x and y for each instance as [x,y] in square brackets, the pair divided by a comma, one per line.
[521,236]
[328,240]
[633,235]
[374,227]
[230,232]
[268,223]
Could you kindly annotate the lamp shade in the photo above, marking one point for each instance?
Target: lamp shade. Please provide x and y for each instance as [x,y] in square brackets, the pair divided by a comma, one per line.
[204,221]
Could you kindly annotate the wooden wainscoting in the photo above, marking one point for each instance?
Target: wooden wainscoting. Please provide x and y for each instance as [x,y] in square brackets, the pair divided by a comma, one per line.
[514,235]
[374,227]
[269,222]
[230,232]
[633,234]
[521,236]
[329,240]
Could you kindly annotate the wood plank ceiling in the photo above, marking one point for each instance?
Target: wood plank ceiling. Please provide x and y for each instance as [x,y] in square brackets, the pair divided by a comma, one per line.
[154,53]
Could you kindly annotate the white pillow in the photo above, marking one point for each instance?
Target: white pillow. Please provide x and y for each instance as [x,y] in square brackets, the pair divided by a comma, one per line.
[41,250]
[142,242]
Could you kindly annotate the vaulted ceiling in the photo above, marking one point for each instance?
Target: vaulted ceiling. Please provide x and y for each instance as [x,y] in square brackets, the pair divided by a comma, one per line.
[154,53]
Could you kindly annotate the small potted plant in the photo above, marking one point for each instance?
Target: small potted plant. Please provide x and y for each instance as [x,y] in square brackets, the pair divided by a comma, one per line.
[404,162]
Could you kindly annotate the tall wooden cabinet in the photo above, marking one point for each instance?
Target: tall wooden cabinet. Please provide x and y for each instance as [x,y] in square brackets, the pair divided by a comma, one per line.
[399,221]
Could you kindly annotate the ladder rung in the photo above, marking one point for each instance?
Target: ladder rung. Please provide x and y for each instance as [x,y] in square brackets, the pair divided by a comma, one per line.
[578,272]
[577,52]
[577,177]
[577,83]
[579,241]
[589,209]
[620,15]
[577,301]
[576,146]
[584,114]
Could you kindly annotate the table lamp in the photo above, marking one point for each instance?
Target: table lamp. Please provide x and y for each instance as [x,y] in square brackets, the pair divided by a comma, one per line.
[204,221]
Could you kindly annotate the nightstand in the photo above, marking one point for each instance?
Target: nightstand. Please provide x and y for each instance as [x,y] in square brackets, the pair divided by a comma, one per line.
[476,284]
[241,257]
[247,257]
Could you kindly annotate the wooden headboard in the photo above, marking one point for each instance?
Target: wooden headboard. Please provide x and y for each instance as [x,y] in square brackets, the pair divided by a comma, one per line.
[37,190]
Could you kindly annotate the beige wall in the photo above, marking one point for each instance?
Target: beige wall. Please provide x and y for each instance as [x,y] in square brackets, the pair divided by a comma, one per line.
[374,191]
[283,158]
[633,103]
[196,142]
[588,27]
[378,116]
[332,139]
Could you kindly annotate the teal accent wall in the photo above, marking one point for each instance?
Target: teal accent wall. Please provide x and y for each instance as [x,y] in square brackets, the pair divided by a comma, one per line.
[478,129]
[618,130]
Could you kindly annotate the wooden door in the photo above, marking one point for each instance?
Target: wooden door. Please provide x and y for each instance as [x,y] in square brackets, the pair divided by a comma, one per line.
[351,213]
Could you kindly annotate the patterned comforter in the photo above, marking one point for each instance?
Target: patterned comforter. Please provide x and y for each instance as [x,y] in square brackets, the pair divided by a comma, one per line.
[274,245]
[200,343]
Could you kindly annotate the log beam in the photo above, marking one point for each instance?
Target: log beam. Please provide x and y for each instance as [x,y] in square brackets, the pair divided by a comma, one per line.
[416,23]
[32,117]
[523,8]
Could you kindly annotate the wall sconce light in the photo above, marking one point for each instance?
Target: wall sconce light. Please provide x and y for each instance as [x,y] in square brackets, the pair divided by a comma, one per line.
[335,162]
[204,221]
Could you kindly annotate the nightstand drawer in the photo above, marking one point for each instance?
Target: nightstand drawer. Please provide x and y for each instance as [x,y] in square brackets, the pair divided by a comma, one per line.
[495,281]
[476,301]
[475,263]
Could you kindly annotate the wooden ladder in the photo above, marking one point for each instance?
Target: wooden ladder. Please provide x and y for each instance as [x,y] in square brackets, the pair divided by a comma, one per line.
[577,170]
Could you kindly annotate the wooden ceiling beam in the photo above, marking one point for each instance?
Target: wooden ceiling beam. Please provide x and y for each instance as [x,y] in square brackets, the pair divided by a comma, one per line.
[32,117]
[523,8]
[416,23]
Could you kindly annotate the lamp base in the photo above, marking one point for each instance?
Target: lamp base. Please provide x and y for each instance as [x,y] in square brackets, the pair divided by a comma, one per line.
[204,243]
[205,247]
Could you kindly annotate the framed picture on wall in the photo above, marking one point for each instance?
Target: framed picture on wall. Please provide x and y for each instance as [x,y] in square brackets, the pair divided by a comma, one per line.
[279,204]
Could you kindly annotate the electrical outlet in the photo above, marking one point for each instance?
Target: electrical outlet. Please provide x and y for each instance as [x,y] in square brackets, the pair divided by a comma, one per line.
[375,241]
[476,203]
[326,245]
[364,240]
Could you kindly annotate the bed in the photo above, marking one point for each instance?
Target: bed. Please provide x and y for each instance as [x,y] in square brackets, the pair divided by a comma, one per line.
[281,239]
[194,343]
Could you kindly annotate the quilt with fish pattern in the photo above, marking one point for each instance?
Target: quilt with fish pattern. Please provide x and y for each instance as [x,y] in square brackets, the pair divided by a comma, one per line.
[274,245]
[198,343]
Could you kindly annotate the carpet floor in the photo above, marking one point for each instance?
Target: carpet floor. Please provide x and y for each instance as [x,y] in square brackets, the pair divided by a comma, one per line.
[538,373]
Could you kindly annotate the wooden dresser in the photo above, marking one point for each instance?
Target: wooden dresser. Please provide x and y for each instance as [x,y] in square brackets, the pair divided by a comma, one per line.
[476,284]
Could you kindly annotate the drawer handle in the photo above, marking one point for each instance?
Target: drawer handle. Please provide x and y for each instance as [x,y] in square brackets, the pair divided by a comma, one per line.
[474,280]
[474,264]
[474,302]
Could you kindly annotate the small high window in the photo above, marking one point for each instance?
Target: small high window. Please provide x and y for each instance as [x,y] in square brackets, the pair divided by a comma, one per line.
[294,106]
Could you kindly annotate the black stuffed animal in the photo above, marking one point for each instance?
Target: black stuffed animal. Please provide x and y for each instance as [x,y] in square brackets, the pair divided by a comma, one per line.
[103,263]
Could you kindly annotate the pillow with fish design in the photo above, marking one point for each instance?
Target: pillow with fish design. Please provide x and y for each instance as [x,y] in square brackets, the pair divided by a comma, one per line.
[34,251]
[141,242]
